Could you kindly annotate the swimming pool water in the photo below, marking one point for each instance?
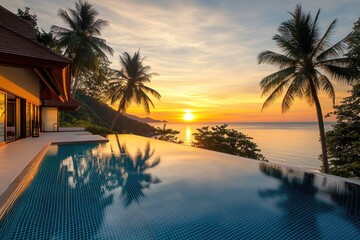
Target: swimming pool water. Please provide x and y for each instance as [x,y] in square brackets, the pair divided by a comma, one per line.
[138,188]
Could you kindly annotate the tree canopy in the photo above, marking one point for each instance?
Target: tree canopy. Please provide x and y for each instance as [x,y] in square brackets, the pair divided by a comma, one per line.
[308,64]
[354,47]
[223,139]
[42,37]
[130,86]
[95,83]
[82,41]
[343,142]
[167,134]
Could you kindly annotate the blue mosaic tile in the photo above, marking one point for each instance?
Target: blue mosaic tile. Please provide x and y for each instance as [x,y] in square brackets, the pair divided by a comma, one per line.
[146,189]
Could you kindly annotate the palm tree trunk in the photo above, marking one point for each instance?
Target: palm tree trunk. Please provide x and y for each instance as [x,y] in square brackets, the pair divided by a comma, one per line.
[321,127]
[76,80]
[114,119]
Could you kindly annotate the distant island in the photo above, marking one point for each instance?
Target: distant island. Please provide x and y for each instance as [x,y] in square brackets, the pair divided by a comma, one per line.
[144,120]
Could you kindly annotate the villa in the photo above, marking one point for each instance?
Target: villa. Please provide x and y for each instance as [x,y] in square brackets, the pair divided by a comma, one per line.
[34,81]
[34,86]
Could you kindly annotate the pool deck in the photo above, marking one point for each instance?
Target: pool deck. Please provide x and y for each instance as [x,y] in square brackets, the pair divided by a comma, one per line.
[19,157]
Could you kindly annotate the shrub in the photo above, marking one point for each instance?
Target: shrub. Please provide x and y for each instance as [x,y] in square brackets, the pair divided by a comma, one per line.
[223,139]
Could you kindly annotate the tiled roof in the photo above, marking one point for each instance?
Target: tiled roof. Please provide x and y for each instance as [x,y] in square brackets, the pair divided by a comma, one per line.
[18,48]
[18,38]
[16,23]
[14,44]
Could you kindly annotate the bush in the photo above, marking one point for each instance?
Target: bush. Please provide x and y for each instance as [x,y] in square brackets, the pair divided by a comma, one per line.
[87,124]
[167,134]
[343,142]
[225,140]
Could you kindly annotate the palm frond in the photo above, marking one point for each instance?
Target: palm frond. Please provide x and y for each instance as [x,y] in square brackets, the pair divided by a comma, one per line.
[308,94]
[98,25]
[67,19]
[59,31]
[288,98]
[296,89]
[131,87]
[340,74]
[324,42]
[145,102]
[286,44]
[315,29]
[340,62]
[275,94]
[327,86]
[152,91]
[79,41]
[270,82]
[335,50]
[276,59]
[99,45]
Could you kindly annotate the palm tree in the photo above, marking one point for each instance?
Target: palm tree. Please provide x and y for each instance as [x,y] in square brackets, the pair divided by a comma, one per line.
[81,42]
[307,62]
[130,86]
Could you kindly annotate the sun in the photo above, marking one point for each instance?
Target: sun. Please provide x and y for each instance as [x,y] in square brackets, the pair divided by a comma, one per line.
[188,116]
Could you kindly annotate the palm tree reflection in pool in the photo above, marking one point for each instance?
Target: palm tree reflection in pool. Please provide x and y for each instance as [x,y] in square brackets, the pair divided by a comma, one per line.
[296,198]
[118,170]
[135,176]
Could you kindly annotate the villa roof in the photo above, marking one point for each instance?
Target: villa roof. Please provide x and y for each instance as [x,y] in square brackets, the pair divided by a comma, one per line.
[70,105]
[14,45]
[18,48]
[19,25]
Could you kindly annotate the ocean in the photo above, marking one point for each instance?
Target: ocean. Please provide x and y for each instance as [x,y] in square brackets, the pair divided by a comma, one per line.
[289,143]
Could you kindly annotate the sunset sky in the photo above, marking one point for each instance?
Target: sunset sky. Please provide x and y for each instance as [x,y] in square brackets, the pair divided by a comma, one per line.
[205,51]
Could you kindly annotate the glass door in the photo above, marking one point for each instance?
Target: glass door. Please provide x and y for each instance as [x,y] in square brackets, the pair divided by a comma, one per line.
[2,116]
[18,117]
[10,117]
[28,119]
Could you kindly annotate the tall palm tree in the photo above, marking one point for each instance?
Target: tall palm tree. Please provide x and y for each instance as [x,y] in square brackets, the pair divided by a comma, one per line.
[307,61]
[130,86]
[81,42]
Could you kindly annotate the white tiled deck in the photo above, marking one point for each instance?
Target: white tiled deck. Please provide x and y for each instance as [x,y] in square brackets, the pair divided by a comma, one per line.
[15,156]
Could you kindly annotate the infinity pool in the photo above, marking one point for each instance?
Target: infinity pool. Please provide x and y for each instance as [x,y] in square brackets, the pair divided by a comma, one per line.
[138,188]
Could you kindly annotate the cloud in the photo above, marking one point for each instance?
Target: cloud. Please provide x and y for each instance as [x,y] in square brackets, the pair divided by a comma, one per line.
[205,51]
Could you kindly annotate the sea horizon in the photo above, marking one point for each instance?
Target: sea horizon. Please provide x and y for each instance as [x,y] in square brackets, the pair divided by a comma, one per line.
[290,143]
[193,122]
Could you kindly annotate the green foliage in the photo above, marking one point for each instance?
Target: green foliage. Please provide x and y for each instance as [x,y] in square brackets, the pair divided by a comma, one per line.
[25,14]
[96,129]
[225,140]
[47,39]
[354,47]
[98,113]
[308,64]
[81,41]
[95,83]
[343,142]
[42,37]
[167,134]
[129,87]
[307,56]
[86,123]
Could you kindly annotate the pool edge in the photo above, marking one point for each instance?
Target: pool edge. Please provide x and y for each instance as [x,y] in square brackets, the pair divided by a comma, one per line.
[19,184]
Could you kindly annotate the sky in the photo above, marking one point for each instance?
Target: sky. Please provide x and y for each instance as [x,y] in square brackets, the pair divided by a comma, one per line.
[205,51]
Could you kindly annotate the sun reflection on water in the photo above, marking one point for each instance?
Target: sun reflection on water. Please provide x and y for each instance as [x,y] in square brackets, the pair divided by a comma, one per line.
[188,136]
